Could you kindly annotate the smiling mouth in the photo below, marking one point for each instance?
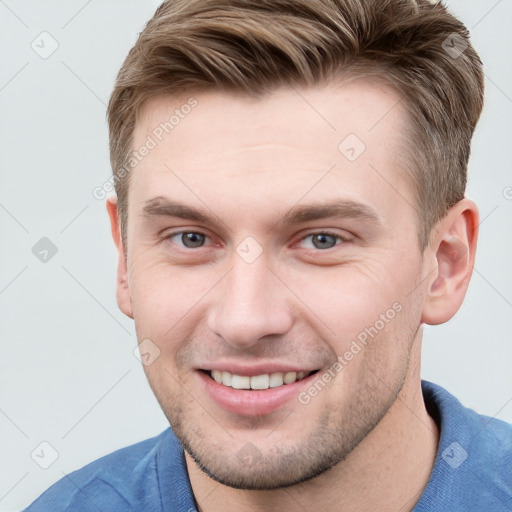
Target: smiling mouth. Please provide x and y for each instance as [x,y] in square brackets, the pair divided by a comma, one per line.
[257,382]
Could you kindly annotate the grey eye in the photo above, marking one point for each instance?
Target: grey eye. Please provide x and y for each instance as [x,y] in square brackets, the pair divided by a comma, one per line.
[191,240]
[323,241]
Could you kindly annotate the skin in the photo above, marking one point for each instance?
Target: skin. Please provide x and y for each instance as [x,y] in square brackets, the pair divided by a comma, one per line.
[365,441]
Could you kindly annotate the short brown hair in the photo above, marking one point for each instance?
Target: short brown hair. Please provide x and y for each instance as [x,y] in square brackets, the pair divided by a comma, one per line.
[253,47]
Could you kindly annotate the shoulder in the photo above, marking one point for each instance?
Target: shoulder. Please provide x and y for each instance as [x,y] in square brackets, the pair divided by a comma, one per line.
[489,437]
[473,467]
[113,482]
[490,466]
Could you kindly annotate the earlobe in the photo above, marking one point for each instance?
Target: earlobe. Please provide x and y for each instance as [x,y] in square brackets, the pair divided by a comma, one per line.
[454,245]
[122,290]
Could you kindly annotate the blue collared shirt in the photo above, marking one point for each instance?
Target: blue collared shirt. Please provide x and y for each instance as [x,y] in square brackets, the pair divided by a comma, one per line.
[472,470]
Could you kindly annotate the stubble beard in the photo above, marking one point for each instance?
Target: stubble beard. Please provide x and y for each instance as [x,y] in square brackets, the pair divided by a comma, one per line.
[331,438]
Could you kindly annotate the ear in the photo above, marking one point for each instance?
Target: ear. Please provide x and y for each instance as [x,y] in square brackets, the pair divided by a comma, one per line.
[123,292]
[452,247]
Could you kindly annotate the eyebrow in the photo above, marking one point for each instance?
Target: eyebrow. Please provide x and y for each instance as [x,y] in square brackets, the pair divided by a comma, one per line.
[161,206]
[340,208]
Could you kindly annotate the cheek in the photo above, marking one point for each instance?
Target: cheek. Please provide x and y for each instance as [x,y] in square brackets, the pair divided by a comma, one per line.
[166,299]
[364,312]
[347,299]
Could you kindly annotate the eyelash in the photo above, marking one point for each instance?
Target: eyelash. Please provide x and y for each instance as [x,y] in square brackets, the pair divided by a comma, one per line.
[340,239]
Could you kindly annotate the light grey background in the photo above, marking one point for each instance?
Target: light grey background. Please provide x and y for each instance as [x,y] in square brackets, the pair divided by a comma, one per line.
[68,373]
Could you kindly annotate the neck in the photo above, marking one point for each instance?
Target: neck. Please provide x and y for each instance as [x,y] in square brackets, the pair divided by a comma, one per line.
[388,470]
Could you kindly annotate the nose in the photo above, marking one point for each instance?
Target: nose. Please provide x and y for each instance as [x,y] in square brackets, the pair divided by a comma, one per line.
[249,304]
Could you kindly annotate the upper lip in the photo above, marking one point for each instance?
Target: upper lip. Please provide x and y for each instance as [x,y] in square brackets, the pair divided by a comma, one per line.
[251,370]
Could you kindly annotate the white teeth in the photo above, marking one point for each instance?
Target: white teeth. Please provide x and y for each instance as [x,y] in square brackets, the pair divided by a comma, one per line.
[264,381]
[260,382]
[276,380]
[226,378]
[289,377]
[240,382]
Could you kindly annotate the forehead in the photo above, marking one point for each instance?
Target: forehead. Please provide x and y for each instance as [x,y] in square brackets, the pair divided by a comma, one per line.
[358,106]
[319,142]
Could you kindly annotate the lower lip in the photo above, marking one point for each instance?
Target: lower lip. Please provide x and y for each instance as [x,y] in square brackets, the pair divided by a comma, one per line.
[252,402]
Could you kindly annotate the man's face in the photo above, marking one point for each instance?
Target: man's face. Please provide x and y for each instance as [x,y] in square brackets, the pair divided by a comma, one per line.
[273,238]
